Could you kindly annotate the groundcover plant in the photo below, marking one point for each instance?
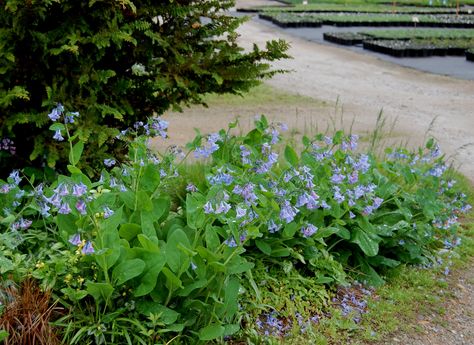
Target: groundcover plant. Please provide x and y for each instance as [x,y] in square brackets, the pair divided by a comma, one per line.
[146,255]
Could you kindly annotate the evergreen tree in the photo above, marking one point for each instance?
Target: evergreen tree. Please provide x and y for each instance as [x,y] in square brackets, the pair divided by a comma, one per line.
[115,62]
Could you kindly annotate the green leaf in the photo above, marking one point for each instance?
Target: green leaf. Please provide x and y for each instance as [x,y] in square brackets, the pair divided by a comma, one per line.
[264,247]
[127,270]
[100,291]
[76,152]
[194,211]
[172,281]
[175,257]
[154,264]
[74,170]
[150,179]
[367,242]
[231,296]
[211,237]
[291,156]
[167,316]
[57,127]
[129,231]
[231,329]
[211,332]
[3,334]
[290,230]
[148,244]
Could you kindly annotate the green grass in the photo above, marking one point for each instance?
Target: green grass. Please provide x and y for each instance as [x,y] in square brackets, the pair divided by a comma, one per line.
[262,94]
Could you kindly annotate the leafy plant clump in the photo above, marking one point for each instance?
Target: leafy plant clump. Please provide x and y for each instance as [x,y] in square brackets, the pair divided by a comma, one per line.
[129,267]
[116,62]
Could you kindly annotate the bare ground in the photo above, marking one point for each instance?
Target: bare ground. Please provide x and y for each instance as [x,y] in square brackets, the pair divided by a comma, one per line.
[364,85]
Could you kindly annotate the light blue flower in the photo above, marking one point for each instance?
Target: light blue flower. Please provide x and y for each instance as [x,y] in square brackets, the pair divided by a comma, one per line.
[88,248]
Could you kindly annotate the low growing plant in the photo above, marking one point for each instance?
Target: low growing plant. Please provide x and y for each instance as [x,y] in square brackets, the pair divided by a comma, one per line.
[130,267]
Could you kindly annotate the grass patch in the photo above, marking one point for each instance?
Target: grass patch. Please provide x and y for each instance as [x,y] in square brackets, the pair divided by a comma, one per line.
[260,95]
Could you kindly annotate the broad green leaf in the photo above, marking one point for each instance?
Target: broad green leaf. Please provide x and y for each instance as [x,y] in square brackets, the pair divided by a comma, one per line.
[280,252]
[194,211]
[143,201]
[231,296]
[3,334]
[367,242]
[150,179]
[127,270]
[191,287]
[231,329]
[264,247]
[175,257]
[167,315]
[172,281]
[129,231]
[290,230]
[100,291]
[211,332]
[154,264]
[211,237]
[291,156]
[76,152]
[148,244]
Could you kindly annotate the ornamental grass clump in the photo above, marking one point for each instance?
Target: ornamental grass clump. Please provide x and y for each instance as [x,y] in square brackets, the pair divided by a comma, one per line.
[128,266]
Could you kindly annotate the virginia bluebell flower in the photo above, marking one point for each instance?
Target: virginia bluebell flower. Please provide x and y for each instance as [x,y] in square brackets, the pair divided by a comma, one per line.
[245,153]
[273,227]
[81,207]
[108,212]
[109,162]
[309,230]
[75,239]
[64,208]
[57,135]
[208,208]
[15,176]
[240,212]
[79,189]
[191,188]
[230,242]
[287,212]
[56,113]
[223,207]
[88,248]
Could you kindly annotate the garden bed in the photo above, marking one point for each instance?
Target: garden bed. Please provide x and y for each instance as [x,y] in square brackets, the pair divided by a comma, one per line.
[367,19]
[418,48]
[345,38]
[353,8]
[470,55]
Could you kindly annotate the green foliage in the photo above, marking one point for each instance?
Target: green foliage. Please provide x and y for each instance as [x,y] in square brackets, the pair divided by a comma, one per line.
[130,267]
[116,62]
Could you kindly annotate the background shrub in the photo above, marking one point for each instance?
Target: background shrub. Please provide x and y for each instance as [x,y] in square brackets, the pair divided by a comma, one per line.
[116,62]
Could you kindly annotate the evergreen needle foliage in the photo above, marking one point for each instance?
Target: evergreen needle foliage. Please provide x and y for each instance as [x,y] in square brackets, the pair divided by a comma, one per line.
[116,62]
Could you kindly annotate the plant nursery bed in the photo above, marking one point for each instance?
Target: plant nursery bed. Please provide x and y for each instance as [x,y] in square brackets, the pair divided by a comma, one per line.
[470,55]
[345,38]
[367,19]
[413,48]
